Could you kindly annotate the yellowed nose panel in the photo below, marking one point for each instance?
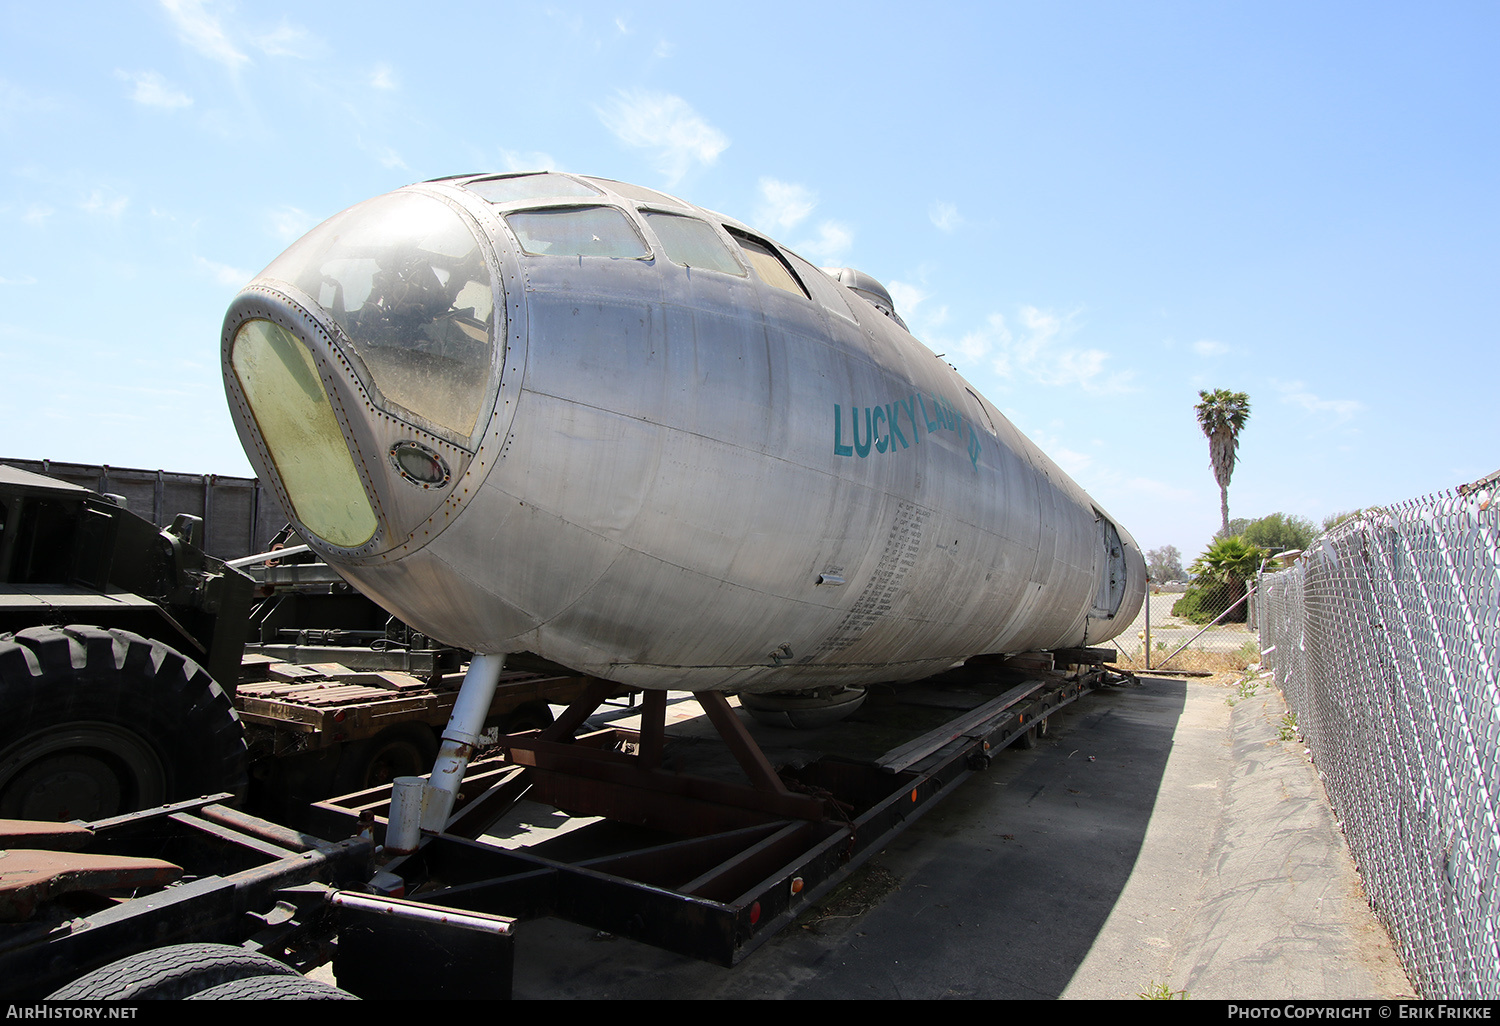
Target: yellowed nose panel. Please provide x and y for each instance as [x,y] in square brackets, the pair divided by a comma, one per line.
[297,424]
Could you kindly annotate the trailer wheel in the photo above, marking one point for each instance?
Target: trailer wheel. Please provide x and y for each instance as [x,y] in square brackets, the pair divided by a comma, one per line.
[405,750]
[1032,735]
[97,723]
[531,716]
[171,973]
[274,988]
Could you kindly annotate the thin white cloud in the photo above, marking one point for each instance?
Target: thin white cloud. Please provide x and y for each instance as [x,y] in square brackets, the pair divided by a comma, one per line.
[1208,347]
[287,40]
[152,90]
[1296,393]
[96,202]
[908,299]
[383,77]
[1038,351]
[1101,476]
[223,273]
[527,160]
[202,31]
[663,49]
[37,214]
[288,223]
[783,205]
[924,321]
[1074,463]
[28,280]
[944,216]
[667,125]
[829,246]
[620,24]
[386,155]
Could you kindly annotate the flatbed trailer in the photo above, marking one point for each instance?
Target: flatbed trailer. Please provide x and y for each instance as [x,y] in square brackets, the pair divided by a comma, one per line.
[699,847]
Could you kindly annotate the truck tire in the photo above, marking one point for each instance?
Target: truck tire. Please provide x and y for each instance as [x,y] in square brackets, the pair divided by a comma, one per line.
[1034,734]
[531,716]
[97,723]
[405,750]
[171,973]
[274,988]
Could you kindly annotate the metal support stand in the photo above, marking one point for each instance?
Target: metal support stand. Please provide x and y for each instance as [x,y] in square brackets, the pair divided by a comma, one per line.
[460,738]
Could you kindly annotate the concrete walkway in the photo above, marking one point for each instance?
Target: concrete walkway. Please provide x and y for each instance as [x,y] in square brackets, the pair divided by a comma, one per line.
[1159,839]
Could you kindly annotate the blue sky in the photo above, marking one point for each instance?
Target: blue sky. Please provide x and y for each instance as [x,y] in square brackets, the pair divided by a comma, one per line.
[1094,210]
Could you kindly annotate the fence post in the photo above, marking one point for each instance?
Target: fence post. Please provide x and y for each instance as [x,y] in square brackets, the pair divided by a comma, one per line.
[1148,623]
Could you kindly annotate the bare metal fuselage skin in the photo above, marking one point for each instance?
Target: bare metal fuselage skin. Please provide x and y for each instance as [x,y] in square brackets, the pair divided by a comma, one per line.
[544,413]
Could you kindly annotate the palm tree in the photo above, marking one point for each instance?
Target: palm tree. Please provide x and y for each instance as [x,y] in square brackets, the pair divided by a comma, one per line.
[1228,563]
[1222,415]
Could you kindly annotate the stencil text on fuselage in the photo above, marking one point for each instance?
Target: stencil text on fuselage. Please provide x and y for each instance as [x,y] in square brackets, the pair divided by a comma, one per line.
[899,425]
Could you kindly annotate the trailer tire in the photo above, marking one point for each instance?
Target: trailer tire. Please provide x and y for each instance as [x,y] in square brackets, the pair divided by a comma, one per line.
[274,988]
[171,973]
[96,723]
[531,716]
[1033,734]
[405,750]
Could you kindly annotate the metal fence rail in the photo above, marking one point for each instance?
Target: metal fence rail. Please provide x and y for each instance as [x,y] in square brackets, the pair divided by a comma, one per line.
[1385,638]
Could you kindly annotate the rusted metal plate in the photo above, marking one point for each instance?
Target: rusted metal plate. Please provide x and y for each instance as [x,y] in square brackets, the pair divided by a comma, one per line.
[29,877]
[345,705]
[30,833]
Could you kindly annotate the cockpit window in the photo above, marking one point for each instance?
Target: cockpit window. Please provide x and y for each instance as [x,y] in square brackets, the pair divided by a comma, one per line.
[405,279]
[692,243]
[769,264]
[512,188]
[639,192]
[577,231]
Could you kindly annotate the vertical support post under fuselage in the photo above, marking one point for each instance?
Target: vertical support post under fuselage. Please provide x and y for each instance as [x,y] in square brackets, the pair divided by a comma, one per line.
[460,738]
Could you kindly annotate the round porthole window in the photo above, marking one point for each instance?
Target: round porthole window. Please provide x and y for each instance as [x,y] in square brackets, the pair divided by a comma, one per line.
[419,464]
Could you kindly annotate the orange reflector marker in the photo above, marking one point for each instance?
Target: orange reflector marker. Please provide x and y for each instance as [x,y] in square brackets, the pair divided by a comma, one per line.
[755,913]
[796,885]
[914,794]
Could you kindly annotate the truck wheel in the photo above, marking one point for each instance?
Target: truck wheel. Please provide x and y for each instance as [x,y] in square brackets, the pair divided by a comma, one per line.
[405,750]
[531,716]
[97,723]
[171,973]
[274,988]
[1034,734]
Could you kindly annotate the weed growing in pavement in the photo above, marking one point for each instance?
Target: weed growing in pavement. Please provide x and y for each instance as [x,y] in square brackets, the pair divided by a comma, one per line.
[1248,687]
[1288,731]
[1161,992]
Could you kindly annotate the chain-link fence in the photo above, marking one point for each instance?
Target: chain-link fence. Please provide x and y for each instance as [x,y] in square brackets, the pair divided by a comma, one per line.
[1385,638]
[1202,626]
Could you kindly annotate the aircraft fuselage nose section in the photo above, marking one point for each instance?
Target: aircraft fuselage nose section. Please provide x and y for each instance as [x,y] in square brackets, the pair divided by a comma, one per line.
[362,366]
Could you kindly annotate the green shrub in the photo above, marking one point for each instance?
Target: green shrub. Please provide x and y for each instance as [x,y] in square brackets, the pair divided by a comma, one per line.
[1202,605]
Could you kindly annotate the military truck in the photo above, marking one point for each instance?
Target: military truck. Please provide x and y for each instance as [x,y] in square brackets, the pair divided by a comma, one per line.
[114,635]
[138,669]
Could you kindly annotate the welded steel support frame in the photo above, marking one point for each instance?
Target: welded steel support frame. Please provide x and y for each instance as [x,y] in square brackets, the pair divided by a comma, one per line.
[238,868]
[758,855]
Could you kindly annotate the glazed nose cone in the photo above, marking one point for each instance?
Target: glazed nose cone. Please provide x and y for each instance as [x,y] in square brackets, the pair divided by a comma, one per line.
[362,358]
